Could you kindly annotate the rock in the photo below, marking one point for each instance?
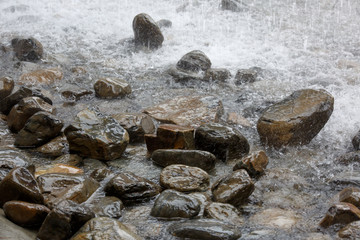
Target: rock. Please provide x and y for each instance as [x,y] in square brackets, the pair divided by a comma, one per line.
[105,228]
[234,118]
[6,87]
[94,135]
[356,141]
[223,212]
[28,49]
[137,125]
[217,74]
[57,168]
[224,142]
[129,187]
[184,178]
[8,102]
[64,220]
[25,214]
[10,230]
[234,188]
[350,231]
[20,184]
[146,31]
[39,129]
[340,213]
[55,147]
[57,187]
[194,61]
[169,136]
[254,164]
[101,173]
[42,76]
[349,158]
[205,229]
[297,119]
[193,158]
[164,23]
[234,5]
[111,88]
[75,93]
[89,164]
[188,111]
[276,218]
[350,195]
[174,205]
[12,158]
[245,76]
[180,75]
[69,159]
[22,111]
[108,207]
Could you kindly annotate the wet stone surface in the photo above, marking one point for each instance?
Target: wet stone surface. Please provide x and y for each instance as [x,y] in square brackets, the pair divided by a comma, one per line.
[254,164]
[223,212]
[147,33]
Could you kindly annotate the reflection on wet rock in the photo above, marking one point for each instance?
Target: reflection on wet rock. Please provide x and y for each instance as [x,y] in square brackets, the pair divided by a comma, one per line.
[107,207]
[55,147]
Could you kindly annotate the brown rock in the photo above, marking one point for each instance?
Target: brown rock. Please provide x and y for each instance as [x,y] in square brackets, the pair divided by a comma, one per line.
[20,184]
[107,207]
[25,214]
[184,178]
[22,111]
[350,231]
[28,49]
[57,168]
[340,213]
[234,188]
[75,94]
[188,111]
[69,159]
[6,87]
[223,212]
[254,164]
[55,148]
[42,76]
[297,119]
[234,118]
[350,195]
[111,88]
[146,31]
[170,136]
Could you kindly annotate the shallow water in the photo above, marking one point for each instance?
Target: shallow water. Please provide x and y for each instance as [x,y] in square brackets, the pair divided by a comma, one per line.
[298,44]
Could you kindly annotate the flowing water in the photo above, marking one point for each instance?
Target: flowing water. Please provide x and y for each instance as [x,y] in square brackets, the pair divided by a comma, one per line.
[298,44]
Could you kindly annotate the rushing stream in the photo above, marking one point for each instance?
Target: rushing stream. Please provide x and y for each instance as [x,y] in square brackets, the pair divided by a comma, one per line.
[298,44]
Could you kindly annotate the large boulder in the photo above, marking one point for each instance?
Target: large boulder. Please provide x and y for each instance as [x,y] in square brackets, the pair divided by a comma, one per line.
[297,119]
[188,110]
[111,88]
[94,135]
[27,49]
[224,142]
[146,31]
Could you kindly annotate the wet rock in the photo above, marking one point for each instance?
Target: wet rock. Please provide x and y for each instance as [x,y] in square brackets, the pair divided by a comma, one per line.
[28,49]
[170,136]
[173,205]
[75,93]
[356,141]
[42,76]
[10,230]
[180,75]
[89,164]
[217,74]
[129,187]
[55,148]
[188,111]
[254,164]
[224,142]
[6,87]
[57,168]
[108,207]
[57,187]
[234,118]
[349,158]
[164,23]
[8,102]
[64,220]
[12,158]
[194,61]
[234,5]
[96,136]
[350,231]
[276,218]
[346,178]
[111,88]
[22,111]
[223,212]
[193,158]
[234,188]
[340,213]
[146,31]
[205,229]
[20,184]
[39,129]
[105,228]
[245,76]
[136,124]
[69,159]
[297,119]
[350,195]
[184,178]
[101,173]
[25,214]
